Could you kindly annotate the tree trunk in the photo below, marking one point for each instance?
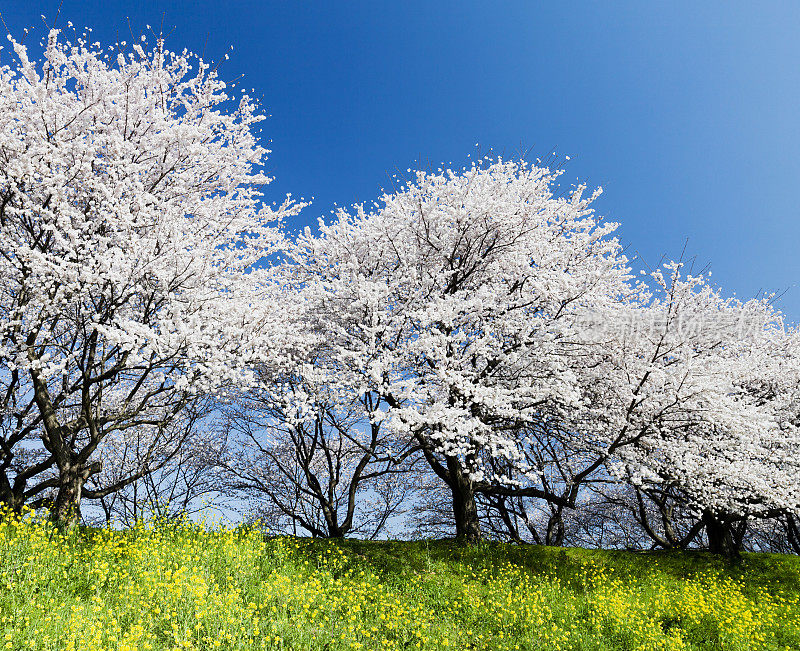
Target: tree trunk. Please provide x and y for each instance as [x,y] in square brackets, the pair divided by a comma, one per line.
[555,531]
[793,533]
[66,511]
[465,511]
[11,504]
[336,532]
[720,537]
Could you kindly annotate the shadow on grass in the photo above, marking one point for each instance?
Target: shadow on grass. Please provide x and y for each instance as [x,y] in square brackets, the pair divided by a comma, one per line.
[395,560]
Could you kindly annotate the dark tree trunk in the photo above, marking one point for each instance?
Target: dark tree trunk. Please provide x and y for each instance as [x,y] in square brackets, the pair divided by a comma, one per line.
[66,510]
[336,532]
[555,530]
[793,533]
[465,511]
[720,537]
[11,503]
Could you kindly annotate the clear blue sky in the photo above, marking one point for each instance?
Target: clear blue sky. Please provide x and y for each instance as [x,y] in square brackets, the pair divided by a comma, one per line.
[688,114]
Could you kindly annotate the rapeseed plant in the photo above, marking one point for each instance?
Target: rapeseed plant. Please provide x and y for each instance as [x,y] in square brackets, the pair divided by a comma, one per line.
[168,586]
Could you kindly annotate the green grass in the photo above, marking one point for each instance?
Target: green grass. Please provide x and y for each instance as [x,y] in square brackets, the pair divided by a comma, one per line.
[183,587]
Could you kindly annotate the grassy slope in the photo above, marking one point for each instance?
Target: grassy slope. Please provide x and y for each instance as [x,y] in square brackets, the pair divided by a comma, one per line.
[180,587]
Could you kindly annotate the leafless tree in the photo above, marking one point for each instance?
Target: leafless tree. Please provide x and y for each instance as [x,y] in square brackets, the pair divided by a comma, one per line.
[331,473]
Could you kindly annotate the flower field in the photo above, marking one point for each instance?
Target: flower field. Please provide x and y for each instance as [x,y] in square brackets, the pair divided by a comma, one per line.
[186,586]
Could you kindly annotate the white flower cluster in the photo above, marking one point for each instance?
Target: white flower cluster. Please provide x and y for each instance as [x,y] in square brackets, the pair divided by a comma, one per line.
[478,316]
[132,231]
[488,310]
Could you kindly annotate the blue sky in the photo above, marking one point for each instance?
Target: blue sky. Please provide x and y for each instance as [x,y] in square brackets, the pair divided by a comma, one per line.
[686,113]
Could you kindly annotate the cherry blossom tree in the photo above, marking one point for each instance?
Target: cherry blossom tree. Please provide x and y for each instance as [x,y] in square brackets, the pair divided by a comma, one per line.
[501,326]
[166,473]
[696,395]
[307,444]
[309,453]
[455,298]
[131,270]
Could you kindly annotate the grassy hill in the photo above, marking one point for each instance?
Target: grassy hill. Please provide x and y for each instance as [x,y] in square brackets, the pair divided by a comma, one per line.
[184,587]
